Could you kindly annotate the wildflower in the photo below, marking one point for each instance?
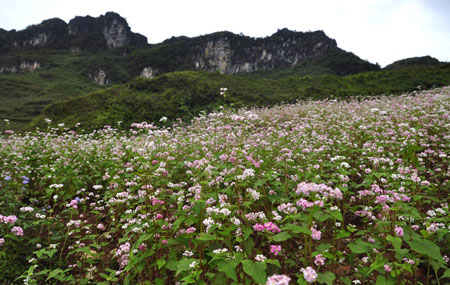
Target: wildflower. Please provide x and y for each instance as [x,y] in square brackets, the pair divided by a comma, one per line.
[100,227]
[193,264]
[387,268]
[315,234]
[319,260]
[2,241]
[278,280]
[188,253]
[18,231]
[164,241]
[260,258]
[399,231]
[309,274]
[275,249]
[190,230]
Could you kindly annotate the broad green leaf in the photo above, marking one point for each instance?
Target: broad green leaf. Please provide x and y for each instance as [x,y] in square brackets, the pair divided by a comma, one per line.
[281,236]
[446,274]
[249,244]
[256,270]
[275,262]
[378,263]
[183,265]
[321,216]
[337,215]
[428,248]
[229,268]
[327,277]
[160,263]
[296,229]
[54,273]
[381,280]
[208,237]
[396,242]
[359,246]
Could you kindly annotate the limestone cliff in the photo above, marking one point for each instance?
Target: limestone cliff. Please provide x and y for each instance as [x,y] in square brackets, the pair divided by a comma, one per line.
[89,33]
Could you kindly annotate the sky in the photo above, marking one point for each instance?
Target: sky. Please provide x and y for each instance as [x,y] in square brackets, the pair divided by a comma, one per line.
[380,31]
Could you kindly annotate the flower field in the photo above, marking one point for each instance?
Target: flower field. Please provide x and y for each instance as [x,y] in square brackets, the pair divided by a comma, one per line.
[321,192]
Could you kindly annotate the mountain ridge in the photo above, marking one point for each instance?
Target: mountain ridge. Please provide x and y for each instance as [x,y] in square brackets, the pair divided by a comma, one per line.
[56,61]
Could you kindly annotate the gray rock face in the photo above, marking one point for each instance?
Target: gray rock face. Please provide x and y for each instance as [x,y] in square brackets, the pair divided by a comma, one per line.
[109,31]
[100,77]
[115,34]
[23,66]
[230,53]
[149,72]
[87,33]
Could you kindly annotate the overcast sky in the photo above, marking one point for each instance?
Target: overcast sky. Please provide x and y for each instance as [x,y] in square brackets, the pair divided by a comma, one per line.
[381,31]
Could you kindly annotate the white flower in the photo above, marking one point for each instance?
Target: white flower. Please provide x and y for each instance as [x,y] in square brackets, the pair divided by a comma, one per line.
[260,258]
[193,264]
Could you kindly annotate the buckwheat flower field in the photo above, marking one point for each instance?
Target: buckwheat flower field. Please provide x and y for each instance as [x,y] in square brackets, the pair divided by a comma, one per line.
[324,192]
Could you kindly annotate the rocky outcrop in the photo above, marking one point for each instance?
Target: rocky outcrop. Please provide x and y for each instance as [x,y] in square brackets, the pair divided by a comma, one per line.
[108,31]
[149,72]
[100,77]
[23,66]
[88,33]
[230,53]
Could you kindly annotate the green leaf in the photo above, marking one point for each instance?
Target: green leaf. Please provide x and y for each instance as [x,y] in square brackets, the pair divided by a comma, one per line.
[337,215]
[188,279]
[281,236]
[275,262]
[229,268]
[256,270]
[446,274]
[396,242]
[296,229]
[249,244]
[160,263]
[321,216]
[54,274]
[359,246]
[183,265]
[378,263]
[327,277]
[428,248]
[208,237]
[381,280]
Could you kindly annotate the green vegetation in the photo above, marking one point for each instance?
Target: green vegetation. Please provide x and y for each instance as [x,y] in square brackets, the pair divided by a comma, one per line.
[185,94]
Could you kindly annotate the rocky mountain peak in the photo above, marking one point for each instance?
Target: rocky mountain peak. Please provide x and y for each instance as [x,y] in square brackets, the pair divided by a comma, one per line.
[89,33]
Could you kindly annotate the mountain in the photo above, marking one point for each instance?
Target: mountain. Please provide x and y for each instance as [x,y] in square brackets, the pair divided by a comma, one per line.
[107,31]
[414,61]
[56,62]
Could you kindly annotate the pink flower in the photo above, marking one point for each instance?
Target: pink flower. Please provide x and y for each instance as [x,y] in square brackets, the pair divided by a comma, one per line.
[316,234]
[258,227]
[159,216]
[319,260]
[309,274]
[164,241]
[190,230]
[100,227]
[399,231]
[275,249]
[387,268]
[2,241]
[10,219]
[142,247]
[271,227]
[18,231]
[278,280]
